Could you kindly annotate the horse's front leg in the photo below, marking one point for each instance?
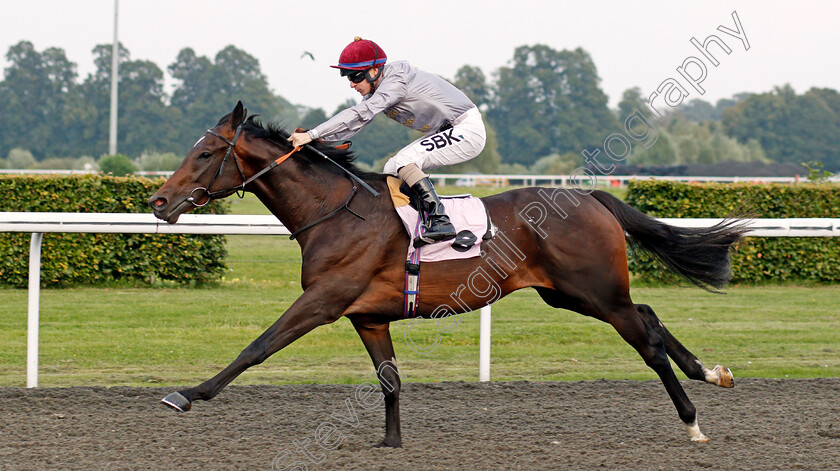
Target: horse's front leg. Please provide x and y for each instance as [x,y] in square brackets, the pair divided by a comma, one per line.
[377,339]
[307,312]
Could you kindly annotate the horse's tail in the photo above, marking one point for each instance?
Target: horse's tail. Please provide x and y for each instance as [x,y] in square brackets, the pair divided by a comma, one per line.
[700,255]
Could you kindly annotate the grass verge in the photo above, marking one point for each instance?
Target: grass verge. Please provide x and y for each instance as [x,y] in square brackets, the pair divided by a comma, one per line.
[182,336]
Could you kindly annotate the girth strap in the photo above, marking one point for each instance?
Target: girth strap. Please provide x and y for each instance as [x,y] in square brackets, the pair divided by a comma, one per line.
[411,290]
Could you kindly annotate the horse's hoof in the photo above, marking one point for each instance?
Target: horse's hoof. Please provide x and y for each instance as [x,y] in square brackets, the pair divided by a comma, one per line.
[389,444]
[694,433]
[177,402]
[725,377]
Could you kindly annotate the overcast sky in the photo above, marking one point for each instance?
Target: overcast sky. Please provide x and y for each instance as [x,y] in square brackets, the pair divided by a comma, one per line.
[633,43]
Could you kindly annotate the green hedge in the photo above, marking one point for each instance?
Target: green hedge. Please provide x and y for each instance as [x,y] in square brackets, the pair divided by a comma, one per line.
[69,259]
[757,259]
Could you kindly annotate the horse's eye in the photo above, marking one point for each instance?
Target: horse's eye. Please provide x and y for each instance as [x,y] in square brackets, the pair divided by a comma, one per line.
[205,155]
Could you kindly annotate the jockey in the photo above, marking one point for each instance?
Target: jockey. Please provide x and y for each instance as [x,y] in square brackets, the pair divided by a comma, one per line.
[451,123]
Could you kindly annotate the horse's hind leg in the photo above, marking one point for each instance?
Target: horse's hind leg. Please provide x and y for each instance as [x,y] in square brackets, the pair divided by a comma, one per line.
[377,340]
[650,345]
[687,362]
[626,320]
[637,331]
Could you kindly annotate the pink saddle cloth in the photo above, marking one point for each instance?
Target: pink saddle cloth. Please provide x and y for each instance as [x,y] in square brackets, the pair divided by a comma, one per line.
[472,223]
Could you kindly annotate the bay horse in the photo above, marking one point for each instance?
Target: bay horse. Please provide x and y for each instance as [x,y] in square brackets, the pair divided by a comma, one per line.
[567,244]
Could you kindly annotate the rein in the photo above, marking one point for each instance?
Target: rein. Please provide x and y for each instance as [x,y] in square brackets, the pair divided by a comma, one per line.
[331,214]
[241,187]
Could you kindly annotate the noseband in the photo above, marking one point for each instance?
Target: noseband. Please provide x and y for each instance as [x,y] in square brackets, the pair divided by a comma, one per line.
[239,189]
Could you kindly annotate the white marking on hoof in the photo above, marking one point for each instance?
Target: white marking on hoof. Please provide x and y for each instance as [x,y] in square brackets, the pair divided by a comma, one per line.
[694,433]
[726,378]
[720,376]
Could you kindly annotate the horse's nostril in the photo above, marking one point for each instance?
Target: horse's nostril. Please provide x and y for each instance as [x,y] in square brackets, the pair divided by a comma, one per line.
[157,203]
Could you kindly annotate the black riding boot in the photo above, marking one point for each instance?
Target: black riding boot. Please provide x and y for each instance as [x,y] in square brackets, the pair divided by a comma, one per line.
[437,224]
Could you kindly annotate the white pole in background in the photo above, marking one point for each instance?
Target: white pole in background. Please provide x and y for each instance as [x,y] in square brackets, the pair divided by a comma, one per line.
[484,345]
[34,307]
[115,64]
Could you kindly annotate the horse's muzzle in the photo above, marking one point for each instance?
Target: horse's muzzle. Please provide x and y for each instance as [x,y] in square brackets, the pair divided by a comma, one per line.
[162,210]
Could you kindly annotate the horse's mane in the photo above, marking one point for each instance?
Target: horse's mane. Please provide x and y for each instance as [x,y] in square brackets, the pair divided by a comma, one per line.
[277,133]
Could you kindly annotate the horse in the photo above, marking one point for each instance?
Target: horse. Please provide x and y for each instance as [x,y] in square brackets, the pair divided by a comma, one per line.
[570,245]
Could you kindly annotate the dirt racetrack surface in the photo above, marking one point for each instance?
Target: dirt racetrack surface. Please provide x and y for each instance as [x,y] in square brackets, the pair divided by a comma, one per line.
[626,425]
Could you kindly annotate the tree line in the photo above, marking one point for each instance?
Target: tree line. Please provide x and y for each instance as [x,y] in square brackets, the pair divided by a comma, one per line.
[542,110]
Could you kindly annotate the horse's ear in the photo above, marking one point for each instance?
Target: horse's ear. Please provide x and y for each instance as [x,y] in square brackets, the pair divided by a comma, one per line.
[238,115]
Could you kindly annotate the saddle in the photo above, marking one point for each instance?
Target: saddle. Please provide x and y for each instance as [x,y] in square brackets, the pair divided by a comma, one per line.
[466,212]
[472,224]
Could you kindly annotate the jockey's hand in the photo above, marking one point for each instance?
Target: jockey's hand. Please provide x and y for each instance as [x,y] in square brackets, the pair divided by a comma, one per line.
[300,138]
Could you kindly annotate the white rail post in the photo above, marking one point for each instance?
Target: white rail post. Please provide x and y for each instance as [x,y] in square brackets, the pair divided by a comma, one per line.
[484,345]
[34,306]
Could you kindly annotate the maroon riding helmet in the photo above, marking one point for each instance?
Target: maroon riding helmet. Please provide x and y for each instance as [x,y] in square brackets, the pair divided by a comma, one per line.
[360,55]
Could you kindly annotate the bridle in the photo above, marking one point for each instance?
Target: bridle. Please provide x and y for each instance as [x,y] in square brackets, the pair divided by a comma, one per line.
[239,189]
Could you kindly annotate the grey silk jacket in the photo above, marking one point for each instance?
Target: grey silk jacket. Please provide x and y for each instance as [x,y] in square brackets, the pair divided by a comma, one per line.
[412,97]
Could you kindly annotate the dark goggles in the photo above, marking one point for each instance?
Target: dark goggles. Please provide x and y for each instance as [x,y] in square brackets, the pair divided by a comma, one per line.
[356,77]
